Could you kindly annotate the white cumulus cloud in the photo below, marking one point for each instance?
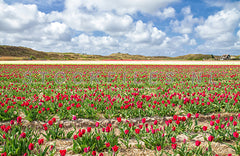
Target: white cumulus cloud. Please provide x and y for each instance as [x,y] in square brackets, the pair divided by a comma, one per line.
[219,26]
[186,25]
[121,7]
[166,13]
[145,33]
[18,17]
[104,21]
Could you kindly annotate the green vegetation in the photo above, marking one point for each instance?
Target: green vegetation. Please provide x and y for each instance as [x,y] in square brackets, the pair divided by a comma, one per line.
[23,53]
[194,57]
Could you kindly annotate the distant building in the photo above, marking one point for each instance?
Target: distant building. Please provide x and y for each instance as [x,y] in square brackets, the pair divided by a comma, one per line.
[225,57]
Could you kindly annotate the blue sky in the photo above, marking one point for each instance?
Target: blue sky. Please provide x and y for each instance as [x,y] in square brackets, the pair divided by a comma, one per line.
[145,27]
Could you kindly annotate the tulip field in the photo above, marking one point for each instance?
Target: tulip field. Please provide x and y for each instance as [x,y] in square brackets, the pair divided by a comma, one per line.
[130,110]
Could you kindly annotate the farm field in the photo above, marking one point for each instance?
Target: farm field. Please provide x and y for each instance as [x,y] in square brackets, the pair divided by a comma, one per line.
[113,108]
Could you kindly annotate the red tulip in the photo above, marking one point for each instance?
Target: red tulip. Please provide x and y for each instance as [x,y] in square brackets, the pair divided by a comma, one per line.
[23,135]
[119,119]
[97,124]
[174,146]
[19,119]
[31,146]
[159,148]
[115,148]
[196,115]
[213,117]
[204,128]
[46,128]
[210,138]
[183,118]
[50,122]
[4,136]
[63,152]
[212,123]
[75,137]
[197,143]
[98,137]
[89,129]
[175,117]
[12,122]
[235,134]
[155,122]
[83,131]
[137,131]
[54,120]
[40,141]
[51,147]
[4,154]
[173,139]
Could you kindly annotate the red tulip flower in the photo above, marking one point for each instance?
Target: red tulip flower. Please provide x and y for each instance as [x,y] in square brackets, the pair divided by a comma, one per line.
[75,137]
[137,131]
[210,138]
[40,141]
[50,122]
[31,146]
[196,115]
[173,139]
[19,119]
[198,143]
[63,152]
[119,119]
[174,146]
[4,154]
[159,148]
[115,148]
[98,137]
[97,124]
[204,128]
[235,134]
[23,135]
[89,129]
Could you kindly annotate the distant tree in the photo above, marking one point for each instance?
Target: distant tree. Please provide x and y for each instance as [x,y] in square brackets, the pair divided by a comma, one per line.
[32,57]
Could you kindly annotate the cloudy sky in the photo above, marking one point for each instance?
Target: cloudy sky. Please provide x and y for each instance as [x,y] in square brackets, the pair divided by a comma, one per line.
[146,27]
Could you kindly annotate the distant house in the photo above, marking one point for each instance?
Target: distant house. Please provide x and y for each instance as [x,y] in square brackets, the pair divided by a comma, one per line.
[225,57]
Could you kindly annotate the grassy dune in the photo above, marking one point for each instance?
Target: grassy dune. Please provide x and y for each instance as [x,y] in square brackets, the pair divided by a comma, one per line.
[23,53]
